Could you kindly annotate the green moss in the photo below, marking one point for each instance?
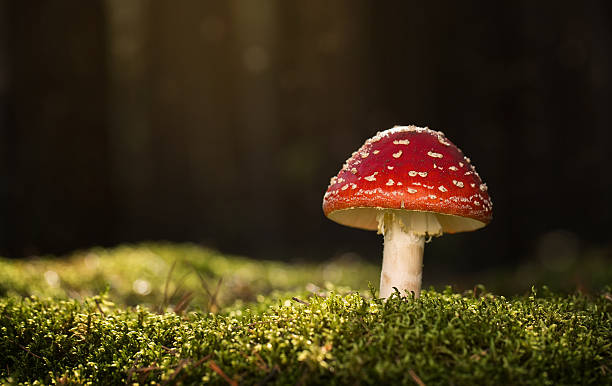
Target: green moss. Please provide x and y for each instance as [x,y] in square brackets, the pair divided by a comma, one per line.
[442,338]
[281,330]
[161,274]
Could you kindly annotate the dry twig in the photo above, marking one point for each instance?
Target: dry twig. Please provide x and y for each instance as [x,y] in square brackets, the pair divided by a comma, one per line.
[218,370]
[300,301]
[416,378]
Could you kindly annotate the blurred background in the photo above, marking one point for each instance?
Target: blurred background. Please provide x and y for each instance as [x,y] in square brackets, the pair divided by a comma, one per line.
[221,122]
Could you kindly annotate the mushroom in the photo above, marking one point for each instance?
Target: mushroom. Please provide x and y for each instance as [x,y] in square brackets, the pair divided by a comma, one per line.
[408,183]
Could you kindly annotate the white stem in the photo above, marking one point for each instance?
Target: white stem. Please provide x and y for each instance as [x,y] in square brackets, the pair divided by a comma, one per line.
[402,259]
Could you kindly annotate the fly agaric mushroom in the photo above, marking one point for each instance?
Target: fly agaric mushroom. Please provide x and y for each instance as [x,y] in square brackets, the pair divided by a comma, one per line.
[408,183]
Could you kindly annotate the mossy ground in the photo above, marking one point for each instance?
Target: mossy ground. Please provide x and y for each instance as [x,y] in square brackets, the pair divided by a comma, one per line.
[181,314]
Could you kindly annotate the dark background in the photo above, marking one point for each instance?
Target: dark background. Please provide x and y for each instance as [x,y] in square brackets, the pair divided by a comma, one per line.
[221,122]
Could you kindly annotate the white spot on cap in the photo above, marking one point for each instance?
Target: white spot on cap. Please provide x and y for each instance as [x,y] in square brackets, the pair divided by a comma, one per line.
[371,177]
[433,196]
[423,174]
[401,142]
[458,183]
[398,154]
[376,152]
[345,187]
[412,173]
[473,185]
[461,164]
[483,187]
[468,173]
[353,185]
[412,191]
[442,188]
[390,167]
[354,170]
[453,168]
[434,155]
[399,183]
[390,182]
[467,160]
[476,203]
[442,140]
[364,154]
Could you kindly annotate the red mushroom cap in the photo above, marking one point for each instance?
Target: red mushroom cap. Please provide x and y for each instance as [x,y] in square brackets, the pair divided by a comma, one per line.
[412,169]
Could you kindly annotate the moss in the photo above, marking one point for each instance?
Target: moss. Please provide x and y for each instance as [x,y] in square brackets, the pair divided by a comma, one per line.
[290,332]
[441,338]
[161,274]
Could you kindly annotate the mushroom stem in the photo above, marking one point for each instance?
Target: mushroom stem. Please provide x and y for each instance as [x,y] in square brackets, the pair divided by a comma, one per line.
[402,258]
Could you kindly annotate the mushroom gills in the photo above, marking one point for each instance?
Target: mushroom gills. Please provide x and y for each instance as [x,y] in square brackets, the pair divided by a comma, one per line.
[367,218]
[417,223]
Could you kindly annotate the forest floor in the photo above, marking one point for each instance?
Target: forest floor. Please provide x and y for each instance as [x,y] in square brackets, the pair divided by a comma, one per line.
[182,314]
